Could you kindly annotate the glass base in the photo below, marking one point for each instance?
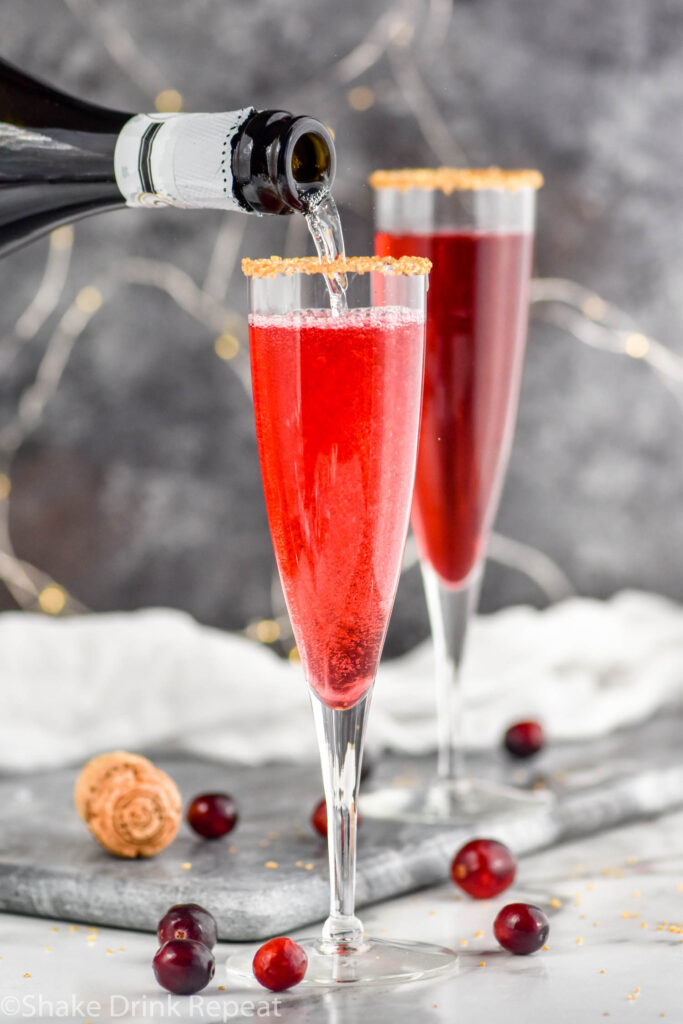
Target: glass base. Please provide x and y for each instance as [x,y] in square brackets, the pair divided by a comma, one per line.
[468,801]
[376,962]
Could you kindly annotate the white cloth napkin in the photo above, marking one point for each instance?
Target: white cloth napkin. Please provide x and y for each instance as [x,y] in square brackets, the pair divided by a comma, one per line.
[155,678]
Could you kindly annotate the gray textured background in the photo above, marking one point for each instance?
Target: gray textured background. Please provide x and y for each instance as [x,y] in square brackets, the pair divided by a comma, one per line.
[138,482]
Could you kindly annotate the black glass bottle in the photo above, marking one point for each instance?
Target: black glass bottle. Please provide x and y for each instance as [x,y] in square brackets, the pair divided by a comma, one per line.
[62,158]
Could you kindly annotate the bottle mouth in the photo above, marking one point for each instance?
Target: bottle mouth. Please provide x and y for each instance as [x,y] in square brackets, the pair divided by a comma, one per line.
[282,163]
[308,163]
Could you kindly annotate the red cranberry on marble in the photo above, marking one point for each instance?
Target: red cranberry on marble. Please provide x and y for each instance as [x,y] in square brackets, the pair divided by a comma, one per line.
[319,818]
[188,921]
[483,868]
[212,815]
[184,966]
[521,928]
[524,739]
[280,964]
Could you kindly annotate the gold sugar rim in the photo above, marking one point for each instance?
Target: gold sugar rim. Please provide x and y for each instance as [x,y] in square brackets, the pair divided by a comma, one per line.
[456,179]
[278,265]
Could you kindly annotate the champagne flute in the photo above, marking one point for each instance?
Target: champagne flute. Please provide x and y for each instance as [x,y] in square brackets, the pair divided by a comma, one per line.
[337,396]
[477,228]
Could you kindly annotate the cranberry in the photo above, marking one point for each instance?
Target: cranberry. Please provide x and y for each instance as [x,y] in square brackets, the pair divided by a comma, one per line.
[521,928]
[184,966]
[483,868]
[319,818]
[188,921]
[212,815]
[279,964]
[524,739]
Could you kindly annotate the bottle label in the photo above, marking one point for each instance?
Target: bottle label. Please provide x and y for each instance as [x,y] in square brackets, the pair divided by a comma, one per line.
[179,160]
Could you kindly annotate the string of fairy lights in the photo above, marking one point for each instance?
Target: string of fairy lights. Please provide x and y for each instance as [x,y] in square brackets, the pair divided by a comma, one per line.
[578,311]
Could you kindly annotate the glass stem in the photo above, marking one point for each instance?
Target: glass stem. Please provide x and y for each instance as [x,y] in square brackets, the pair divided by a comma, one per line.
[340,735]
[449,610]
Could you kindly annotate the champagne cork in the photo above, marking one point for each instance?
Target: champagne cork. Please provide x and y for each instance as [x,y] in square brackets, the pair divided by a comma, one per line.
[131,807]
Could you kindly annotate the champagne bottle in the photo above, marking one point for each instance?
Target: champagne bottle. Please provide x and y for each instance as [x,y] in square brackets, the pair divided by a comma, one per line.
[62,158]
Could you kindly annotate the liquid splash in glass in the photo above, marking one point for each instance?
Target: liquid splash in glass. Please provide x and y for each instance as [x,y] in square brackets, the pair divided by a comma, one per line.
[324,225]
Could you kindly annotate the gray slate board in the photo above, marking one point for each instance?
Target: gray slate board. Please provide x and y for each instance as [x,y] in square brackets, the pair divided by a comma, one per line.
[49,866]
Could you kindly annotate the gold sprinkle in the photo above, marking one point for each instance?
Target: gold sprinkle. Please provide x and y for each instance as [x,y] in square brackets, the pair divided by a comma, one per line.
[590,886]
[595,924]
[309,867]
[54,928]
[626,913]
[482,963]
[122,949]
[555,903]
[643,924]
[294,654]
[637,346]
[636,895]
[74,928]
[221,988]
[545,947]
[48,949]
[272,864]
[226,346]
[432,913]
[637,990]
[579,941]
[5,486]
[186,865]
[109,950]
[463,942]
[679,886]
[88,299]
[632,860]
[659,928]
[232,849]
[602,970]
[52,599]
[360,98]
[27,975]
[92,938]
[276,266]
[169,101]
[456,179]
[478,934]
[582,916]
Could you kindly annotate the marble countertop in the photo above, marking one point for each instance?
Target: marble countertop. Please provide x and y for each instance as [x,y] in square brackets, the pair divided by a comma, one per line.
[615,951]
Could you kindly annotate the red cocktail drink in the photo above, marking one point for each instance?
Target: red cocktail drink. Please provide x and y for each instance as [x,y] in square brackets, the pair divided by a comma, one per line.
[337,397]
[336,412]
[476,331]
[476,226]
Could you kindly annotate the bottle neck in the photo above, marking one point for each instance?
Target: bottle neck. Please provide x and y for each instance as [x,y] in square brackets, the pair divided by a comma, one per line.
[180,160]
[264,161]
